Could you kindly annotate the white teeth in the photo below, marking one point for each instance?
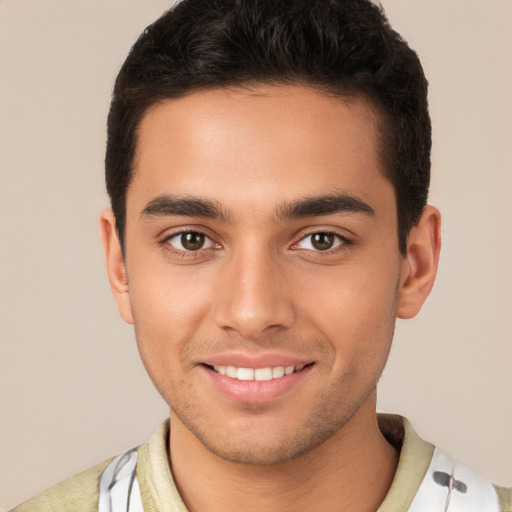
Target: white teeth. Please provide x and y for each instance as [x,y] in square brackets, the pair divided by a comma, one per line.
[259,374]
[231,372]
[245,374]
[277,372]
[263,374]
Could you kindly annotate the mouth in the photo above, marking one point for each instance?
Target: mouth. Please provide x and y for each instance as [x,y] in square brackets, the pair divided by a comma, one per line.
[256,380]
[257,374]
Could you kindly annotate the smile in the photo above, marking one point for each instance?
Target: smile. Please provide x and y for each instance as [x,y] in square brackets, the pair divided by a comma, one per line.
[259,374]
[252,385]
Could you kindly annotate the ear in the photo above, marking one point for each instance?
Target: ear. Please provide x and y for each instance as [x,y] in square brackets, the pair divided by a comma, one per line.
[419,266]
[116,269]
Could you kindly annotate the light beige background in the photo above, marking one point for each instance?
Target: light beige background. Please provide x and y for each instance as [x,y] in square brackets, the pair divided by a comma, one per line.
[72,389]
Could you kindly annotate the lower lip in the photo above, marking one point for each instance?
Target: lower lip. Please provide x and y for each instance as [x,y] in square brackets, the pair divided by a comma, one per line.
[256,391]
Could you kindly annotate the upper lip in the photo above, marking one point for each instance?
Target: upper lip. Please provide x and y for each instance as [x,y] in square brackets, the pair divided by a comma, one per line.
[263,360]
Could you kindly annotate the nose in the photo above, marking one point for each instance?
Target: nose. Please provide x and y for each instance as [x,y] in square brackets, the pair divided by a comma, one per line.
[253,298]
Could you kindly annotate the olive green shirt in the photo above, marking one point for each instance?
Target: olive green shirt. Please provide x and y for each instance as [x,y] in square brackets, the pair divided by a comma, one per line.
[159,493]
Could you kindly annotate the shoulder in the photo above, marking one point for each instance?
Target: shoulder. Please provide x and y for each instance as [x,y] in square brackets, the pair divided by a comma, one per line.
[76,494]
[428,479]
[114,480]
[505,497]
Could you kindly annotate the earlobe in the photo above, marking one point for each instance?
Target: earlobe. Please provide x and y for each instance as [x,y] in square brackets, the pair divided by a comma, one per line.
[419,266]
[115,264]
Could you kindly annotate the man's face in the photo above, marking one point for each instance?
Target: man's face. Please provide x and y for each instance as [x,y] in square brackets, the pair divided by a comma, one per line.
[261,238]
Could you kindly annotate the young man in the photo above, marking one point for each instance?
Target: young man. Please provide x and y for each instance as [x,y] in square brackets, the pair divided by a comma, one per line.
[268,166]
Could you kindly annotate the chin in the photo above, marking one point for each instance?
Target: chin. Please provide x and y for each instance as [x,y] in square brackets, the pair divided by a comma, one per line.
[251,453]
[264,444]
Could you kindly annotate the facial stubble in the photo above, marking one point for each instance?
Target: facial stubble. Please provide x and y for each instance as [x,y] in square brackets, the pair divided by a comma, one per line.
[332,410]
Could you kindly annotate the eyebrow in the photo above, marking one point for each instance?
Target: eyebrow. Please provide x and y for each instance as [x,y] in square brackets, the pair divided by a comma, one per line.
[324,205]
[168,205]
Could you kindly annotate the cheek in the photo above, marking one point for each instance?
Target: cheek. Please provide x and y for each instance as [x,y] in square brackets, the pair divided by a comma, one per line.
[163,295]
[356,295]
[167,310]
[356,311]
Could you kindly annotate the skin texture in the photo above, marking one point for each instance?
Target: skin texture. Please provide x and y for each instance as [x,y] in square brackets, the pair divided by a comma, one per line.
[256,291]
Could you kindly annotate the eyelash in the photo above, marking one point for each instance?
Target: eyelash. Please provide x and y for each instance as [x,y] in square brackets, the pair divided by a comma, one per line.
[343,243]
[184,253]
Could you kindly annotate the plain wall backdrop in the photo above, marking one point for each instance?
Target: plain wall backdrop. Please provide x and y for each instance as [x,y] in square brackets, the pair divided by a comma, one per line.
[72,389]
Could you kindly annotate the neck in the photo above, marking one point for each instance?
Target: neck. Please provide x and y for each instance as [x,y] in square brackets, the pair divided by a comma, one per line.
[351,471]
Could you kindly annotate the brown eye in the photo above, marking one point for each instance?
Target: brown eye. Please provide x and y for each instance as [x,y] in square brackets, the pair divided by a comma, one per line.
[322,241]
[190,241]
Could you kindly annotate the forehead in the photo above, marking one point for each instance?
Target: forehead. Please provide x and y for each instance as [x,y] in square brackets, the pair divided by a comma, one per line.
[268,143]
